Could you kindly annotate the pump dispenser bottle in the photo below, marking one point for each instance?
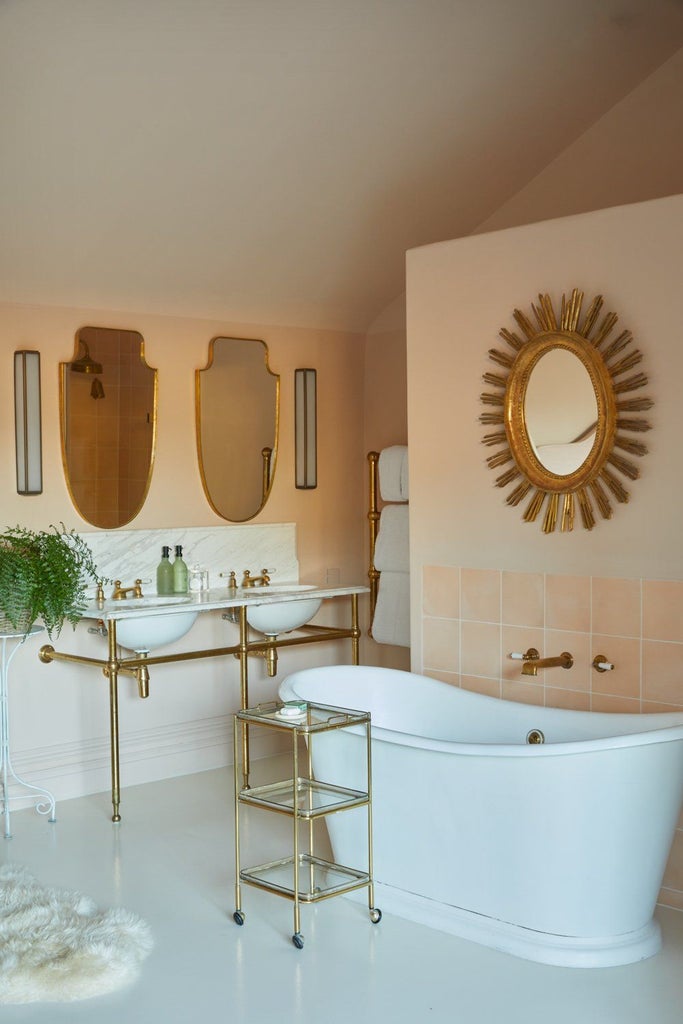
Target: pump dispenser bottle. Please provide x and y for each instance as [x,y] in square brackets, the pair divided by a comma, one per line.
[165,573]
[180,583]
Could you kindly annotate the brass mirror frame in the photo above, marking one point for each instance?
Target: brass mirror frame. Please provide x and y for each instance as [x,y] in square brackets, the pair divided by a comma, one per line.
[93,368]
[606,360]
[268,454]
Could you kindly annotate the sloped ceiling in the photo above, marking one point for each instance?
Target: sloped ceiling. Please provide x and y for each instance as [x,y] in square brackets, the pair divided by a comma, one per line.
[272,160]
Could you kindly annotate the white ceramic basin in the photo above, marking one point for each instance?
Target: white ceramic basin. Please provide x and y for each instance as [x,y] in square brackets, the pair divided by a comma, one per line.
[283,616]
[145,632]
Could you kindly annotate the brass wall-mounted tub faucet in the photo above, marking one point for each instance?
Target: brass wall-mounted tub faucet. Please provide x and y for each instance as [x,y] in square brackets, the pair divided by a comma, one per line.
[533,661]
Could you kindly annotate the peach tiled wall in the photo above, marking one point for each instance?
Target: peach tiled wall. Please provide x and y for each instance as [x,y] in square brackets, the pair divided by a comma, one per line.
[473,618]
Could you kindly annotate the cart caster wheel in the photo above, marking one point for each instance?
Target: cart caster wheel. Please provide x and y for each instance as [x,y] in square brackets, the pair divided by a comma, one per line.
[238,917]
[298,940]
[375,915]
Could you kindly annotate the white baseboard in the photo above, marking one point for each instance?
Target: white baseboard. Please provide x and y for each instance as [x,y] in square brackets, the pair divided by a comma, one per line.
[72,770]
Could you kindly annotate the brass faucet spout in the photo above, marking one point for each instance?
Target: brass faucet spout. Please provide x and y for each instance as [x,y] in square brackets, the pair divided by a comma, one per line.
[532,662]
[120,592]
[255,581]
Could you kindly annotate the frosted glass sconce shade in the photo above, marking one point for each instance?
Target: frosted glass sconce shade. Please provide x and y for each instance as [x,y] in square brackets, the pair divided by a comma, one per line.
[305,428]
[27,422]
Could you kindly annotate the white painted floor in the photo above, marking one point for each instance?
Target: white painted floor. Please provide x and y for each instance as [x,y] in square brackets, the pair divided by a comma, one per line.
[171,861]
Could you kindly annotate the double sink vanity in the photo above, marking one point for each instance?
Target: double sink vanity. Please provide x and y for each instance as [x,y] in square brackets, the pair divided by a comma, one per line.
[135,630]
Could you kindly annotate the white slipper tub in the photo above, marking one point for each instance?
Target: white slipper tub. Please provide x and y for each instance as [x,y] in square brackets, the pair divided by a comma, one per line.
[554,852]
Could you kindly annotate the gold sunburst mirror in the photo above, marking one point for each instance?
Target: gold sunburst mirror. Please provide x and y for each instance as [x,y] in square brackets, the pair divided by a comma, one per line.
[563,400]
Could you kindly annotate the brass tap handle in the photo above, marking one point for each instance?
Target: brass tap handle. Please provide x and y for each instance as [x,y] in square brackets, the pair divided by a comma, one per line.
[232,579]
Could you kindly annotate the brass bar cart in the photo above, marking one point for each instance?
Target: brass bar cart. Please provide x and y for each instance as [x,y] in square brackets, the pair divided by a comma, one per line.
[301,877]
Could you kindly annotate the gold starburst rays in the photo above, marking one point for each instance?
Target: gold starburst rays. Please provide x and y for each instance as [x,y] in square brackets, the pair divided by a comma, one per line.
[610,360]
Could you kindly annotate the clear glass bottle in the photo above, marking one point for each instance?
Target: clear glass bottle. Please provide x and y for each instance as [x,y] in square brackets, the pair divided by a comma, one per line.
[165,573]
[180,584]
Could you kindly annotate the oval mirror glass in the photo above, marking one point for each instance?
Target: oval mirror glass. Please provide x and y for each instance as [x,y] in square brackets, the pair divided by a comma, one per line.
[237,408]
[561,412]
[108,425]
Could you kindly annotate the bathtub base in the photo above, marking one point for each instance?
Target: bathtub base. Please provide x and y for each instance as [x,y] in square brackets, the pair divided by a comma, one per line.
[544,948]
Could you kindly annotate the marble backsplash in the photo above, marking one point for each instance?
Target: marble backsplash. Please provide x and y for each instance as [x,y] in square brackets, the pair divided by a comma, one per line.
[131,554]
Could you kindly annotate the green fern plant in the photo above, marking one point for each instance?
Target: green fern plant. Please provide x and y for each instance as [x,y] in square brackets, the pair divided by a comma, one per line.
[44,575]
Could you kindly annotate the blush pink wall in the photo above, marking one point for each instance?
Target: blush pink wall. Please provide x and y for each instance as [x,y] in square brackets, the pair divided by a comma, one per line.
[630,154]
[329,519]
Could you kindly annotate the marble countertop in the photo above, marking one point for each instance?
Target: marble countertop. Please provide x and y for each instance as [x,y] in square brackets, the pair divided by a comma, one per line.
[217,599]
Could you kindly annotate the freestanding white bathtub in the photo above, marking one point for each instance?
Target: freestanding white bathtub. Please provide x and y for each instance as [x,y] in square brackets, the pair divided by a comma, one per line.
[554,852]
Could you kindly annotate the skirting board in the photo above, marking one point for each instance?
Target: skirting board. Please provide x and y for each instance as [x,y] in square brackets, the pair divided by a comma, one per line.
[183,748]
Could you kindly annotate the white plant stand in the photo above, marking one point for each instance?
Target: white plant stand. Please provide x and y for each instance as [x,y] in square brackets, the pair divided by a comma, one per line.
[9,645]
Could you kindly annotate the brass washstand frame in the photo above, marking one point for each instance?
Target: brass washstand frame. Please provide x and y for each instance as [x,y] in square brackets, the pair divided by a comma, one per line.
[114,666]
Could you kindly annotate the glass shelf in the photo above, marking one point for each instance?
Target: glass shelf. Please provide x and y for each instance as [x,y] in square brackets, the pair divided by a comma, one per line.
[318,879]
[316,717]
[313,799]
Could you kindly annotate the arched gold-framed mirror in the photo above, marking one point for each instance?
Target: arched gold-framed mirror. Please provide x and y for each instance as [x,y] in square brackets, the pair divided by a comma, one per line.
[108,418]
[564,402]
[237,407]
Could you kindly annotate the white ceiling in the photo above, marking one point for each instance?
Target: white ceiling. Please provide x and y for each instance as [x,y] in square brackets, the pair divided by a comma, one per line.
[272,160]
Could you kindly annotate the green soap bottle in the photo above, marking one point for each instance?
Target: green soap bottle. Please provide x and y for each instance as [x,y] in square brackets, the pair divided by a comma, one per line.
[180,584]
[165,573]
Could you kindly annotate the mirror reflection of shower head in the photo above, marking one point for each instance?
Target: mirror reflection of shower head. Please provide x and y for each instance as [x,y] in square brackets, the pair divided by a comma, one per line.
[84,364]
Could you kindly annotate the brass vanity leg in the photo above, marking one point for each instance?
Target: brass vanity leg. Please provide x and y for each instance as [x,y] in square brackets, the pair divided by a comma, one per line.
[244,695]
[355,631]
[112,672]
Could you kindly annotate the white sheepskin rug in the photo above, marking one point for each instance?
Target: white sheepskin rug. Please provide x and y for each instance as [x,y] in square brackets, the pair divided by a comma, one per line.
[57,946]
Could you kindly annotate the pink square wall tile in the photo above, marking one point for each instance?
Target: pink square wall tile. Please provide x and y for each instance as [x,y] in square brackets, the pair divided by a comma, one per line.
[624,653]
[673,876]
[478,684]
[578,677]
[670,898]
[662,677]
[452,678]
[571,700]
[480,595]
[663,610]
[441,591]
[614,705]
[567,603]
[519,639]
[440,646]
[655,707]
[480,655]
[616,606]
[523,598]
[523,693]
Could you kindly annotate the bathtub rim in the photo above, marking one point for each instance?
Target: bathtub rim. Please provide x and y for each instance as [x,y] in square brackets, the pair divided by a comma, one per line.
[662,730]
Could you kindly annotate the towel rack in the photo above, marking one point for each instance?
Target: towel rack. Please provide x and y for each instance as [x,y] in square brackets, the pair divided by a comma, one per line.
[373,520]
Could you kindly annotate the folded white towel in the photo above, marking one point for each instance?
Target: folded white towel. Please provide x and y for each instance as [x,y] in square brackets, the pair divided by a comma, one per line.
[393,473]
[392,550]
[404,477]
[391,621]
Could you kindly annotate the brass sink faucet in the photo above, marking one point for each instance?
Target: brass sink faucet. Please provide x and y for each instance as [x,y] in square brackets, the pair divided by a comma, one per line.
[255,581]
[120,592]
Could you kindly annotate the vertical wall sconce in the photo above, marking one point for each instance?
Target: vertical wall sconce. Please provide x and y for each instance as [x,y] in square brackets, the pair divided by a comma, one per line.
[27,422]
[305,429]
